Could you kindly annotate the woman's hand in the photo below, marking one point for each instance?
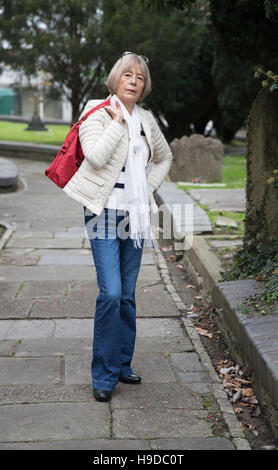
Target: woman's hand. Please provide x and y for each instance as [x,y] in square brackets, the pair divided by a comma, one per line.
[116,114]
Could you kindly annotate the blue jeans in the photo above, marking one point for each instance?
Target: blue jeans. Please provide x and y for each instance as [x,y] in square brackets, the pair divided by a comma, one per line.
[117,264]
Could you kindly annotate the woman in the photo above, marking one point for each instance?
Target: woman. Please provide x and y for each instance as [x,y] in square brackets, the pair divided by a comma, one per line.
[119,141]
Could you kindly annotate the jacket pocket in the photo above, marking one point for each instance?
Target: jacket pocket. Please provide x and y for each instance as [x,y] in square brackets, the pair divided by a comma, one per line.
[94,178]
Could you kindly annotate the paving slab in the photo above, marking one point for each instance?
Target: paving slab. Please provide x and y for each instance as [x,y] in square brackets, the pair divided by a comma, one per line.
[96,444]
[44,243]
[46,393]
[46,273]
[221,199]
[165,327]
[71,234]
[154,369]
[139,423]
[42,289]
[63,307]
[7,348]
[154,301]
[73,328]
[225,222]
[32,234]
[60,421]
[58,252]
[5,326]
[66,260]
[198,382]
[40,370]
[225,243]
[155,396]
[9,289]
[202,443]
[48,346]
[163,345]
[78,369]
[15,308]
[86,260]
[186,362]
[18,329]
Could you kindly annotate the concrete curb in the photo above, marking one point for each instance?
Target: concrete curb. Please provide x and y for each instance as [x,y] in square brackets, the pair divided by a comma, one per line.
[238,438]
[200,261]
[29,151]
[8,174]
[7,234]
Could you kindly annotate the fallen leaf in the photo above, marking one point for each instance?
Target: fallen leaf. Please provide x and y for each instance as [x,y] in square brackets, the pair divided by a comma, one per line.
[238,410]
[167,248]
[189,286]
[179,266]
[242,381]
[253,429]
[236,396]
[252,401]
[203,332]
[226,370]
[248,392]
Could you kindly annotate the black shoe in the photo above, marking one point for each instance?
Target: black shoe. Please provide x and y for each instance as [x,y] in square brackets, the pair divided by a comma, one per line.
[130,379]
[102,395]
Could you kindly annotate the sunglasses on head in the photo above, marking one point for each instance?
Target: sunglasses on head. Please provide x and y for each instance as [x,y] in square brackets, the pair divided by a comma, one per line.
[143,57]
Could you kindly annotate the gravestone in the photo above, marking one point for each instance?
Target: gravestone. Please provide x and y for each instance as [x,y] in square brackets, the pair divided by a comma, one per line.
[197,157]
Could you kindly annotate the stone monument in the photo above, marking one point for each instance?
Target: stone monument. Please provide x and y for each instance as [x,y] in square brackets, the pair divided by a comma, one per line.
[197,156]
[36,123]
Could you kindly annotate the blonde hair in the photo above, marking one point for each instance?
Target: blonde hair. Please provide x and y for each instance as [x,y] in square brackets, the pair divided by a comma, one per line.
[123,65]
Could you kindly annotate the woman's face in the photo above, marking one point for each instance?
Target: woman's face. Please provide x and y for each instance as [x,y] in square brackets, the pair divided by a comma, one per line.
[131,85]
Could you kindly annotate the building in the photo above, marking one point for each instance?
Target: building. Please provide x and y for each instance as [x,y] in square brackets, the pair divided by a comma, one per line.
[17,97]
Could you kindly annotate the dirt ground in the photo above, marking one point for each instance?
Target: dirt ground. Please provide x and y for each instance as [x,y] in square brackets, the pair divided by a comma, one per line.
[235,379]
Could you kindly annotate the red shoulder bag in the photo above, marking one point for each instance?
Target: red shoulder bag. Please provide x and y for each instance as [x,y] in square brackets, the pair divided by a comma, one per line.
[70,155]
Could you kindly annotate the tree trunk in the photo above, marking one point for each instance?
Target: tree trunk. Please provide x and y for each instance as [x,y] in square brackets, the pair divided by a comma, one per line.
[75,103]
[262,160]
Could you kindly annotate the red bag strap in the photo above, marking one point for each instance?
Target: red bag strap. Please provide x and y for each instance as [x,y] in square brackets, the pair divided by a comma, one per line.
[99,106]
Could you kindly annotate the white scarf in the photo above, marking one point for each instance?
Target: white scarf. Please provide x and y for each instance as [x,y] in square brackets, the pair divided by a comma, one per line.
[136,195]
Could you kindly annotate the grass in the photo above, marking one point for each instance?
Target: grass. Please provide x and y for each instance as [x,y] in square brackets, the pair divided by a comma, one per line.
[237,216]
[234,171]
[15,131]
[234,174]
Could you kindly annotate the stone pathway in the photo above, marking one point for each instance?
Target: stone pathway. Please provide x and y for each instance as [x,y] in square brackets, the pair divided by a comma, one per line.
[221,199]
[48,290]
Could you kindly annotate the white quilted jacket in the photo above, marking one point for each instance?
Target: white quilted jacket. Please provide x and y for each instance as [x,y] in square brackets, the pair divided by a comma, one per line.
[105,143]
